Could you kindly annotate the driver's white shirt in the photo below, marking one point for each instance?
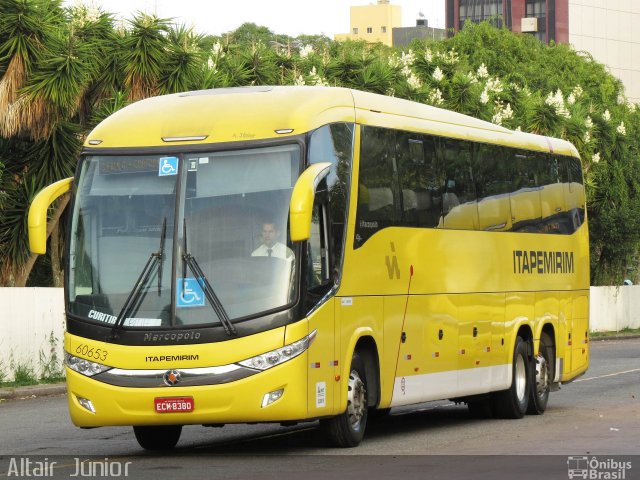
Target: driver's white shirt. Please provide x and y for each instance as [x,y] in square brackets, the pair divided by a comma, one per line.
[279,250]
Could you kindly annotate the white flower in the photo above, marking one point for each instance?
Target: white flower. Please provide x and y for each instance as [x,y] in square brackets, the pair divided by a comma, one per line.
[482,71]
[317,79]
[502,113]
[577,91]
[621,99]
[606,116]
[217,51]
[587,136]
[571,99]
[408,59]
[507,112]
[306,50]
[632,107]
[299,81]
[394,61]
[472,78]
[588,123]
[413,81]
[450,57]
[494,85]
[596,157]
[621,129]
[518,128]
[484,97]
[211,64]
[438,75]
[556,100]
[83,14]
[428,56]
[435,97]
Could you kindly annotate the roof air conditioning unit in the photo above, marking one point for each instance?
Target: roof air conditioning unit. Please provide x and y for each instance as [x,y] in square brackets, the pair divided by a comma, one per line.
[529,25]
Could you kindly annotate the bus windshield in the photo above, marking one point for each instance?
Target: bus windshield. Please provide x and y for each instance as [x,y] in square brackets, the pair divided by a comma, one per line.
[210,226]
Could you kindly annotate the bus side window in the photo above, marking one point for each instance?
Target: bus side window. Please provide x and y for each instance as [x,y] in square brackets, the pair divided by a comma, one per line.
[419,180]
[378,192]
[493,187]
[459,205]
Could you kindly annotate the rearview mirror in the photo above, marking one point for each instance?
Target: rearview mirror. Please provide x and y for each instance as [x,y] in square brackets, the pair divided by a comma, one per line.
[301,205]
[37,221]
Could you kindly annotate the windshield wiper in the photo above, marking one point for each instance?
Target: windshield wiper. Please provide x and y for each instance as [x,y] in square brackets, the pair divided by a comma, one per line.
[134,296]
[190,261]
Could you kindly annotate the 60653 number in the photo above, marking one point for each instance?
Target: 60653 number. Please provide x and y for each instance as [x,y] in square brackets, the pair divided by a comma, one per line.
[95,353]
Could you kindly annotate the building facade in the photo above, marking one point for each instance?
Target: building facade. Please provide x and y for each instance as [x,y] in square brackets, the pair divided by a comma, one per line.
[607,29]
[373,23]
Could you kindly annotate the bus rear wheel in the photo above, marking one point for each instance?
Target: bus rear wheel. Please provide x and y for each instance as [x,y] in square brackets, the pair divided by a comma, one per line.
[347,429]
[542,376]
[513,402]
[163,437]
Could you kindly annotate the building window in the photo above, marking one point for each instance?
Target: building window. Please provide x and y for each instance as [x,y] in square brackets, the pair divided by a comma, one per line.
[355,30]
[538,9]
[369,29]
[383,29]
[480,10]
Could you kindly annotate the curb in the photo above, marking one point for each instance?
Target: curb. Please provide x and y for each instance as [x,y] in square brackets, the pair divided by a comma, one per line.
[32,391]
[613,337]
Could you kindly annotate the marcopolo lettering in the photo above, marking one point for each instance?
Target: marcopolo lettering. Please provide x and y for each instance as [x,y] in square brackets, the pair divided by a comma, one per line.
[542,262]
[172,337]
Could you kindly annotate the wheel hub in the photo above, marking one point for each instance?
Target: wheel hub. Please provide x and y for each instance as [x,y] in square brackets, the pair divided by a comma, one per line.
[357,400]
[542,375]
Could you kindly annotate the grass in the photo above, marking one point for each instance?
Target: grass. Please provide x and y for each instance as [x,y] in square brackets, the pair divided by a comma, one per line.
[624,331]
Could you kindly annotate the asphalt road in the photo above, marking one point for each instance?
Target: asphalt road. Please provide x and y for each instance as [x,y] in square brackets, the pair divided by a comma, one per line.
[597,415]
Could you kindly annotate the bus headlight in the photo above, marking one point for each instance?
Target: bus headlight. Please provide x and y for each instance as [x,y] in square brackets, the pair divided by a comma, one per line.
[85,367]
[281,355]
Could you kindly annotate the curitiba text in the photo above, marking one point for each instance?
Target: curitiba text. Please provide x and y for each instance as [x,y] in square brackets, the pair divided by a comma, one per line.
[542,262]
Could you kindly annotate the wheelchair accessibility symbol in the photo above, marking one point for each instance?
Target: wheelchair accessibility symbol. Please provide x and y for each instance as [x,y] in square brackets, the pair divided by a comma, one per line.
[189,292]
[168,166]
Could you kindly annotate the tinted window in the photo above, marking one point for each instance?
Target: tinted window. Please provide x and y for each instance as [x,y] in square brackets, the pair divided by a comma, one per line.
[420,180]
[379,204]
[459,206]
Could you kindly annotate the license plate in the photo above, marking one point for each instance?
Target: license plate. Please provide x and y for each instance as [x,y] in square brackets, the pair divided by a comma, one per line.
[173,404]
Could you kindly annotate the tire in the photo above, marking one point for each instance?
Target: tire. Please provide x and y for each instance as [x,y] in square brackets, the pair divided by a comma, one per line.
[347,429]
[513,402]
[541,377]
[163,437]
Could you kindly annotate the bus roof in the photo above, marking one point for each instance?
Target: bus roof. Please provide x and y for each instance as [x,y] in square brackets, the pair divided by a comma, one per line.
[251,113]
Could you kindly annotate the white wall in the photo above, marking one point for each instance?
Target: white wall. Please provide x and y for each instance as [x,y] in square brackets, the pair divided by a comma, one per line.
[29,316]
[614,308]
[610,31]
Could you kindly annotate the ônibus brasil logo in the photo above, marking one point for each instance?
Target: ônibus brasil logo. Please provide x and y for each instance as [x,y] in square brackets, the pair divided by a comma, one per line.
[594,468]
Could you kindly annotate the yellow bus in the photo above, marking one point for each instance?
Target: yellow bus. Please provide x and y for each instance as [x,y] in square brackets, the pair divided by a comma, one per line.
[291,254]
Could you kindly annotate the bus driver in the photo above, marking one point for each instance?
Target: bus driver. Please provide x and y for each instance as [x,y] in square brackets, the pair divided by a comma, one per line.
[271,247]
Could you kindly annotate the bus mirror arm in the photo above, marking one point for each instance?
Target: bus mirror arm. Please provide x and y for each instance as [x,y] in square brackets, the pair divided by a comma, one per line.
[37,220]
[301,205]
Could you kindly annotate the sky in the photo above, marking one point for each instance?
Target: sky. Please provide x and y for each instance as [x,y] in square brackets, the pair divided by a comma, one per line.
[290,17]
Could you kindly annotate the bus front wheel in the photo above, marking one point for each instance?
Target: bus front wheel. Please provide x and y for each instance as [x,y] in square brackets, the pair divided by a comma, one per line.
[513,402]
[163,437]
[347,429]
